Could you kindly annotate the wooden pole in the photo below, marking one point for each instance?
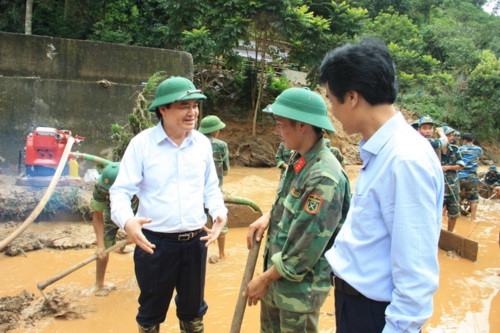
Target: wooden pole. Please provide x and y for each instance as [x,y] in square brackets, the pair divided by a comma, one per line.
[239,311]
[42,285]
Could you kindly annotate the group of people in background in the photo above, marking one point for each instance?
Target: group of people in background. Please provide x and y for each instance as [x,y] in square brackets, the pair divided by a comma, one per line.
[460,167]
[377,246]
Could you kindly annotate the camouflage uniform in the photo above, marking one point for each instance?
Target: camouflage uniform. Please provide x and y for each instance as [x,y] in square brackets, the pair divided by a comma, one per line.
[312,199]
[100,203]
[437,143]
[452,186]
[335,151]
[221,160]
[492,179]
[221,157]
[283,155]
[468,175]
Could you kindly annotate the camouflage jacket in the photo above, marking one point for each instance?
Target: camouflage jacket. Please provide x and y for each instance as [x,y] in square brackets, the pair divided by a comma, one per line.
[312,200]
[221,157]
[437,143]
[282,155]
[451,157]
[100,202]
[492,178]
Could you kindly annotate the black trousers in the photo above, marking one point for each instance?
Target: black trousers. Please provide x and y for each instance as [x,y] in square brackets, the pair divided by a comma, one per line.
[358,314]
[175,265]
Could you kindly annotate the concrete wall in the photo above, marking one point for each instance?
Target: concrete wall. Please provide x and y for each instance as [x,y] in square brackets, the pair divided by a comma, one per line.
[54,82]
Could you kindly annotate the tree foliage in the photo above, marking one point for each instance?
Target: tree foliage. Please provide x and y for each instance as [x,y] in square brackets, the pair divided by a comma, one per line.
[446,51]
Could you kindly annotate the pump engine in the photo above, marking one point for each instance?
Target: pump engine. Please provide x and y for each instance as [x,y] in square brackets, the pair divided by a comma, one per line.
[44,149]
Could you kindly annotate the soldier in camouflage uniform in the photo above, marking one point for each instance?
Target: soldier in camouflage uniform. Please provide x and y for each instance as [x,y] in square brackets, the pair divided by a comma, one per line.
[468,177]
[426,129]
[211,126]
[282,157]
[105,229]
[335,151]
[312,200]
[451,161]
[492,177]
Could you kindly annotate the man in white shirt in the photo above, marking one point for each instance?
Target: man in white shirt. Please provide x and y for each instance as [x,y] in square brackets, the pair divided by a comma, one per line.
[171,170]
[384,258]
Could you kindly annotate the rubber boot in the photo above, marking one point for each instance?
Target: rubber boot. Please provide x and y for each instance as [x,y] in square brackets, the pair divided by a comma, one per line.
[192,326]
[152,329]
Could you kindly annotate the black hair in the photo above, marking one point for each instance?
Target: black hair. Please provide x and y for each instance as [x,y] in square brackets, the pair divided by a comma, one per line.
[468,136]
[366,67]
[157,110]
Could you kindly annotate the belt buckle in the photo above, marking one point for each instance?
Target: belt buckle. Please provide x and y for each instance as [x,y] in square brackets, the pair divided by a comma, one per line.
[185,237]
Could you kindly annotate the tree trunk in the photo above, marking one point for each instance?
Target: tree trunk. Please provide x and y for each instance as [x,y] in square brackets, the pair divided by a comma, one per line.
[29,12]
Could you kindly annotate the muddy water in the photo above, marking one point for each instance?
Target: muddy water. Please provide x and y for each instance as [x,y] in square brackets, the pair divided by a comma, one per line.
[468,298]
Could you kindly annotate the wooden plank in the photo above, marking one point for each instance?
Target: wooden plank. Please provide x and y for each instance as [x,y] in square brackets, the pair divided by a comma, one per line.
[462,246]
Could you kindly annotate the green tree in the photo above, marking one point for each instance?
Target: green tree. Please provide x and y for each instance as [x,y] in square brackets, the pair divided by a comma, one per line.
[478,108]
[202,47]
[338,23]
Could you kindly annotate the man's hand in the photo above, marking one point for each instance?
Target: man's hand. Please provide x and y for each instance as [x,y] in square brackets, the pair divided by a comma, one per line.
[259,226]
[257,288]
[133,228]
[213,234]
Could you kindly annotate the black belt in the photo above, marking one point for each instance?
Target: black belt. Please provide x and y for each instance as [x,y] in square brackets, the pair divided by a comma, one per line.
[345,287]
[180,236]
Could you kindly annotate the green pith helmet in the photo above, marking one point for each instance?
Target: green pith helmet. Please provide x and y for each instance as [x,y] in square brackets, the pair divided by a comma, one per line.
[108,175]
[175,89]
[301,104]
[210,124]
[425,120]
[447,130]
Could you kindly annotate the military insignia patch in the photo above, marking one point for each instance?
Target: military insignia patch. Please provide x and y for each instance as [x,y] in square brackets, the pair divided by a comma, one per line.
[313,204]
[294,193]
[299,164]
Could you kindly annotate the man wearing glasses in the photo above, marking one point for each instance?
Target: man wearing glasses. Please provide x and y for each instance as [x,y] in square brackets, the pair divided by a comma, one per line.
[171,170]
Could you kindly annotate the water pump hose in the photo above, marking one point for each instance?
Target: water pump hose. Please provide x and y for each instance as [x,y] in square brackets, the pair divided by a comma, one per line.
[38,209]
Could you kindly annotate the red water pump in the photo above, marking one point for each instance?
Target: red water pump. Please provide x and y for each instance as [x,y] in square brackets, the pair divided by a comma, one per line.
[44,149]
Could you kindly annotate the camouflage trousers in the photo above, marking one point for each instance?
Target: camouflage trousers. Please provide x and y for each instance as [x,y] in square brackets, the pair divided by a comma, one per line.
[452,198]
[275,320]
[110,229]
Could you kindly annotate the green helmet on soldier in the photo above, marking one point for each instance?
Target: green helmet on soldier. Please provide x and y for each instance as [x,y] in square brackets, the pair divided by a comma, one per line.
[175,89]
[210,124]
[108,175]
[447,130]
[425,120]
[301,104]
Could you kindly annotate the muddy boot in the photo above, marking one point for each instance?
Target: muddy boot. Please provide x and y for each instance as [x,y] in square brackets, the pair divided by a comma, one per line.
[152,329]
[192,326]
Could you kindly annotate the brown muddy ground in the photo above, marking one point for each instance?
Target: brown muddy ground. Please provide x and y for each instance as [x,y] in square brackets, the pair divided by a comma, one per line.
[468,299]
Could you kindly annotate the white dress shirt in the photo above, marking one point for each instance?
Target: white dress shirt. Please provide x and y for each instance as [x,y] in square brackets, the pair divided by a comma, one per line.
[388,246]
[172,182]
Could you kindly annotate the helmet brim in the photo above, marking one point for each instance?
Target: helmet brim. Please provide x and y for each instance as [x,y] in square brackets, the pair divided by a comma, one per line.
[168,99]
[211,129]
[305,117]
